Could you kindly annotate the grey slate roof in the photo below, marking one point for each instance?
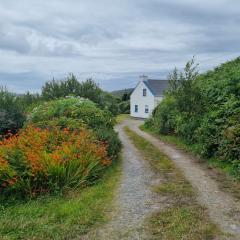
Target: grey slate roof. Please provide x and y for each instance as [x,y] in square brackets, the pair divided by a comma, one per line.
[157,87]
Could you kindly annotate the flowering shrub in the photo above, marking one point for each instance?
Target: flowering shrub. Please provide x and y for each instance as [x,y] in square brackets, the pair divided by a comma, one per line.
[41,160]
[75,112]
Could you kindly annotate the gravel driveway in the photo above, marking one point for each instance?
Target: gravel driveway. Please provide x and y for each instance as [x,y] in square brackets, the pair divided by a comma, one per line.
[222,208]
[134,201]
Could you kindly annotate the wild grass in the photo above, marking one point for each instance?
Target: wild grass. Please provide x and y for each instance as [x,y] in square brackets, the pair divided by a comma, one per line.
[180,217]
[181,223]
[61,217]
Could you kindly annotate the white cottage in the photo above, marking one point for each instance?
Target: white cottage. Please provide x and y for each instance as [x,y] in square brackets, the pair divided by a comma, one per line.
[146,96]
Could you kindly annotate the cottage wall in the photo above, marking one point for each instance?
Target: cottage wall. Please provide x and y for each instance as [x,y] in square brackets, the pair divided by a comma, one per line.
[141,101]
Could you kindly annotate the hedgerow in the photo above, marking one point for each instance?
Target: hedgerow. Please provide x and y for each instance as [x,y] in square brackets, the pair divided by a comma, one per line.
[204,110]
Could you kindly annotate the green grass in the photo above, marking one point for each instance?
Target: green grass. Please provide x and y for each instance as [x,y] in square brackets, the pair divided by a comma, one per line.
[61,217]
[169,139]
[121,117]
[182,223]
[180,217]
[220,171]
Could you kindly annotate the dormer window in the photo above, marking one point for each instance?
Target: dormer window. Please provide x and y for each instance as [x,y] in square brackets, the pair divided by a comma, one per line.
[144,92]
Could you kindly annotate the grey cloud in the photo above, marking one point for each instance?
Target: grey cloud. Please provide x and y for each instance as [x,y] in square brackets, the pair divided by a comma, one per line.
[114,41]
[13,40]
[194,11]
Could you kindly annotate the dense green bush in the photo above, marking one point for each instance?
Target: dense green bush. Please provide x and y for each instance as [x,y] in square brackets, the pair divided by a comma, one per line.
[110,137]
[164,117]
[72,107]
[124,100]
[73,112]
[124,107]
[11,112]
[204,110]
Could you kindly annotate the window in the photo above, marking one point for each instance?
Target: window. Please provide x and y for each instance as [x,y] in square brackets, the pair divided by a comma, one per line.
[136,108]
[144,92]
[146,109]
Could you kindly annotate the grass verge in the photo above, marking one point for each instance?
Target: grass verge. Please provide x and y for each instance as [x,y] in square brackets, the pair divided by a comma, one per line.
[61,217]
[219,171]
[121,117]
[180,217]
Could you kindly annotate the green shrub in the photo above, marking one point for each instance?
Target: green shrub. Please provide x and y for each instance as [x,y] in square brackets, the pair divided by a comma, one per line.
[75,108]
[204,110]
[124,107]
[164,116]
[111,138]
[11,112]
[219,131]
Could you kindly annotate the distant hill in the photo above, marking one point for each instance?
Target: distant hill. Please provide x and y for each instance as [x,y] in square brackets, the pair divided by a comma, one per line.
[119,93]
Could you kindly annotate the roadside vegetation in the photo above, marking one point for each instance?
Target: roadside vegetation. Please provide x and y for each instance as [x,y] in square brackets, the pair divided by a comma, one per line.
[180,216]
[61,217]
[75,113]
[59,160]
[123,97]
[203,111]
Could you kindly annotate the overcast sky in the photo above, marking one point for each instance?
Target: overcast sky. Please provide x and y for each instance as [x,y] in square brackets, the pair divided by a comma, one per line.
[113,41]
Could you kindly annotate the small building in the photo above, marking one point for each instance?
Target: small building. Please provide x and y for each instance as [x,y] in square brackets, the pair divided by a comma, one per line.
[146,96]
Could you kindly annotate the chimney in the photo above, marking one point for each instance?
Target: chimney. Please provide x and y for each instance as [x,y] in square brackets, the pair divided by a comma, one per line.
[143,77]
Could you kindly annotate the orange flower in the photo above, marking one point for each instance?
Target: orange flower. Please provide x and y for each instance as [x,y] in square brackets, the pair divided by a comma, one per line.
[56,157]
[41,149]
[3,163]
[12,181]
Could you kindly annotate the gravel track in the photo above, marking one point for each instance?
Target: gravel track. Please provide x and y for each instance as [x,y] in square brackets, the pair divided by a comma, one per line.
[134,200]
[222,208]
